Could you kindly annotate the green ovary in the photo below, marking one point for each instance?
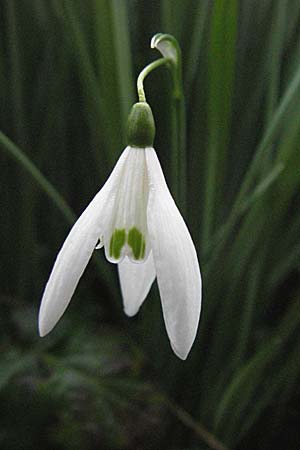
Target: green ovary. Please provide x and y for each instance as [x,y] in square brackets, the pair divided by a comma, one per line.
[117,242]
[137,243]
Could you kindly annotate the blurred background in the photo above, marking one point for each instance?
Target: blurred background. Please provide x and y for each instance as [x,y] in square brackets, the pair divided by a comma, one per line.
[102,381]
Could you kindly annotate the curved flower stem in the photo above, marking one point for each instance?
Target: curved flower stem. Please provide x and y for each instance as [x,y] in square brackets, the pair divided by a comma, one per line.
[140,81]
[168,46]
[178,138]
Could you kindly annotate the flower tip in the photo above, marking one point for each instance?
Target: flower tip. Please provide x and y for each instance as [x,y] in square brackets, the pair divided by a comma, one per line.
[44,327]
[42,331]
[181,354]
[130,312]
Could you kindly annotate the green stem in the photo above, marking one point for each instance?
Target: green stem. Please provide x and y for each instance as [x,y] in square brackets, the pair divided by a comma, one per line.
[178,138]
[178,166]
[148,69]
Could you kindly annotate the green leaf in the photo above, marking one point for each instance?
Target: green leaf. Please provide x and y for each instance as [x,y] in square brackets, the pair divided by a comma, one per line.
[221,72]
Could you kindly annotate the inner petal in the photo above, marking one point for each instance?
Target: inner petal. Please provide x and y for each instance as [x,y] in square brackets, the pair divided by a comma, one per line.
[117,242]
[127,233]
[137,242]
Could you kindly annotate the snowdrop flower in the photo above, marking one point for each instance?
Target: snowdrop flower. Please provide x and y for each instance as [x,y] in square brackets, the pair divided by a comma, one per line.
[137,222]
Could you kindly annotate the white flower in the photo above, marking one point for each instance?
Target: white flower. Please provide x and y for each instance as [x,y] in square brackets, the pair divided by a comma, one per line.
[136,220]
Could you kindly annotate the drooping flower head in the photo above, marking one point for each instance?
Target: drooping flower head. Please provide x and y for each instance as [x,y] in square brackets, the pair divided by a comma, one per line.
[135,219]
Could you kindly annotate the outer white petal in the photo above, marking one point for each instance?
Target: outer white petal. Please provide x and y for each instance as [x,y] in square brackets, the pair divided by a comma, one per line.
[136,280]
[175,260]
[76,252]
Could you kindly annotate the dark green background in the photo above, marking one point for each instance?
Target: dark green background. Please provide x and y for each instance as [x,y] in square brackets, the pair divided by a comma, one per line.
[101,380]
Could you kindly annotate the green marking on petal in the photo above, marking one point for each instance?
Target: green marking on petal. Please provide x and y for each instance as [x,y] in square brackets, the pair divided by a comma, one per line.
[137,243]
[117,241]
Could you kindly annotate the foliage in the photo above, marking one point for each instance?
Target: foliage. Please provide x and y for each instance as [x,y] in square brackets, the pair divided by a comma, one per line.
[102,381]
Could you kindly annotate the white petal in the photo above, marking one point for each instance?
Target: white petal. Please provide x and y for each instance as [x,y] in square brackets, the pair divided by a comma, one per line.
[76,252]
[136,280]
[175,260]
[127,233]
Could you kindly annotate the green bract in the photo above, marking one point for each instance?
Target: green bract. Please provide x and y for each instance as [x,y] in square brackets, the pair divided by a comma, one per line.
[141,126]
